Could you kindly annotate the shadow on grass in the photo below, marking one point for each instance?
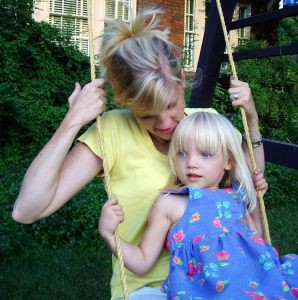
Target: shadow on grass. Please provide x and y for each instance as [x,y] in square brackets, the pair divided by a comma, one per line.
[56,274]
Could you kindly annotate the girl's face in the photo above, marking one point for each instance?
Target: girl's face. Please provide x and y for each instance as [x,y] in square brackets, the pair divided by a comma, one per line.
[163,124]
[198,168]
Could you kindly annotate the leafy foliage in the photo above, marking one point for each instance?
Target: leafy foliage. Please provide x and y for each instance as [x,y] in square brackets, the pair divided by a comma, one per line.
[38,70]
[288,31]
[274,83]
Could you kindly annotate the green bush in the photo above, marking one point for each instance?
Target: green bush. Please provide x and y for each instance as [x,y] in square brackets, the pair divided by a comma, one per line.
[274,84]
[38,70]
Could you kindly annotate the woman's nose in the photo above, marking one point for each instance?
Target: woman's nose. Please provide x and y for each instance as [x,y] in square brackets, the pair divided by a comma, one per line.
[163,121]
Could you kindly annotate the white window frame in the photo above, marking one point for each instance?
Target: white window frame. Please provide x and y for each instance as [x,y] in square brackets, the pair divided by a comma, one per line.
[243,33]
[120,9]
[189,34]
[73,19]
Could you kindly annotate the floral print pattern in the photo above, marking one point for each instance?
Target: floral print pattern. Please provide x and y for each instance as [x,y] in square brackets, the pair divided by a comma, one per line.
[214,254]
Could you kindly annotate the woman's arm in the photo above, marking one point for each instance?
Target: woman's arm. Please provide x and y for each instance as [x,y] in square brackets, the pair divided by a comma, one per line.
[138,259]
[240,95]
[56,174]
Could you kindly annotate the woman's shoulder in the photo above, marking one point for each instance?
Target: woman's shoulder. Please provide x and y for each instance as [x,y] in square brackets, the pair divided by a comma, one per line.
[117,120]
[118,115]
[110,121]
[116,125]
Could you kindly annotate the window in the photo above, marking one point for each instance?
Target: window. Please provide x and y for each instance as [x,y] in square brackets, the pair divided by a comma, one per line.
[118,9]
[189,34]
[243,33]
[71,17]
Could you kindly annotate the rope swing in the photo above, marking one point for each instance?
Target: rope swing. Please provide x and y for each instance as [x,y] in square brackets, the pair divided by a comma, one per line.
[103,151]
[244,121]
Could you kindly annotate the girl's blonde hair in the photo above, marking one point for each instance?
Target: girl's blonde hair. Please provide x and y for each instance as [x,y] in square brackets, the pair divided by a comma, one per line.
[139,61]
[213,133]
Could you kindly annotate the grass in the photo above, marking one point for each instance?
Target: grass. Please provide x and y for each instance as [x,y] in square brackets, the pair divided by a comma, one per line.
[29,269]
[283,226]
[66,273]
[77,273]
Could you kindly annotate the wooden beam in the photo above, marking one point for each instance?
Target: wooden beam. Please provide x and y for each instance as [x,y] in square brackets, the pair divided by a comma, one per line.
[266,17]
[211,54]
[266,52]
[281,153]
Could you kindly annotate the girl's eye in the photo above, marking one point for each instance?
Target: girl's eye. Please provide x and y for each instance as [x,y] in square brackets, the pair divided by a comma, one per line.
[182,153]
[205,154]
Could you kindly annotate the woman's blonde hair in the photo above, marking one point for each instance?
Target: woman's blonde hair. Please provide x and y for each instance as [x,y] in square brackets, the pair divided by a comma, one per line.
[140,62]
[213,133]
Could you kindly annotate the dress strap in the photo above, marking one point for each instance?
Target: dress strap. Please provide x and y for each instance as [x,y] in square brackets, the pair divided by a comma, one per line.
[184,190]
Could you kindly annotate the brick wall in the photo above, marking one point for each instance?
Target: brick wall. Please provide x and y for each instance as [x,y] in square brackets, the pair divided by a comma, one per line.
[173,17]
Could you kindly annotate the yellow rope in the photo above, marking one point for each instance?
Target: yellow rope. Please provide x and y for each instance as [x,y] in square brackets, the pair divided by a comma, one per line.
[102,147]
[244,120]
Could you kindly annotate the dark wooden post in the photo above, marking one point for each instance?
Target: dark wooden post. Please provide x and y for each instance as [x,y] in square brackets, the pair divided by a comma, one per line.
[211,55]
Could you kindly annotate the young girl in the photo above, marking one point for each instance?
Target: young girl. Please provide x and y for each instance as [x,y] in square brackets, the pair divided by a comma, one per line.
[215,252]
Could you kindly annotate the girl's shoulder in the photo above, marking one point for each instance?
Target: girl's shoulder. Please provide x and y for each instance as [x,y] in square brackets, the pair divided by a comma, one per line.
[172,205]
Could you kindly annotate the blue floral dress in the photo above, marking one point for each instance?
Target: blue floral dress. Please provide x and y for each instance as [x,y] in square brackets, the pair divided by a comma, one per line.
[214,254]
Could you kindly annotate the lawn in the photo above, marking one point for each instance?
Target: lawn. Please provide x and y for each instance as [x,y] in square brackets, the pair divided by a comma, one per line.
[61,257]
[66,273]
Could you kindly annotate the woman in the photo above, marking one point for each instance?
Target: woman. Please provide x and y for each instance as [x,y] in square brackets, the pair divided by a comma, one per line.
[143,68]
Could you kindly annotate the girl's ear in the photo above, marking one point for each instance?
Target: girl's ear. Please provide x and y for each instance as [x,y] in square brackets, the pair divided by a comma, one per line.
[229,163]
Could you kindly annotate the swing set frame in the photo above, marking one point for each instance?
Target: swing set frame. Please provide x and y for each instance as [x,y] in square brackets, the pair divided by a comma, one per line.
[212,55]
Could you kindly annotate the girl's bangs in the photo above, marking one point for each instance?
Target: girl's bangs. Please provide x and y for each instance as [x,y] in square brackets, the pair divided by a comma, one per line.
[200,133]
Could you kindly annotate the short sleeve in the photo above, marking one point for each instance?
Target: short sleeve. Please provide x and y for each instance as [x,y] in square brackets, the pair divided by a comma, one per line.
[110,134]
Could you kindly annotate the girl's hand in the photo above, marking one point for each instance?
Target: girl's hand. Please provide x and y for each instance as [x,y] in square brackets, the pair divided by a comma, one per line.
[111,216]
[240,95]
[260,182]
[87,102]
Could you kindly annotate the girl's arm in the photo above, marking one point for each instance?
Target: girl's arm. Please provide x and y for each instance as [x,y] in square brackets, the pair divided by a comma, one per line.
[56,175]
[138,259]
[261,185]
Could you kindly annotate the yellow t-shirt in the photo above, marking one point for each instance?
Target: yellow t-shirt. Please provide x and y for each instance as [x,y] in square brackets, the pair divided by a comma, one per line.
[138,172]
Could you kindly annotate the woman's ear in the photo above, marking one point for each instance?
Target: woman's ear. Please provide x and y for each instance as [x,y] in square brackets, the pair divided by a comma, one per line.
[183,78]
[183,74]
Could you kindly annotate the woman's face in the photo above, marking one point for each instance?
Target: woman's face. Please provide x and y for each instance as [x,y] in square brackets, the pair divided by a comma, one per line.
[163,124]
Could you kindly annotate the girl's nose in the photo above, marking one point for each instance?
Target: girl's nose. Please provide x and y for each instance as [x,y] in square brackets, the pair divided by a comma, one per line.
[193,162]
